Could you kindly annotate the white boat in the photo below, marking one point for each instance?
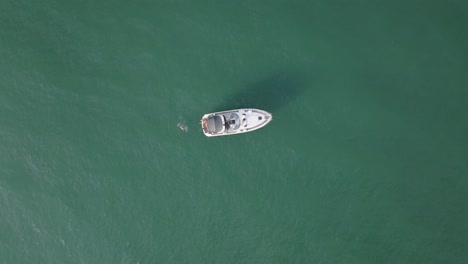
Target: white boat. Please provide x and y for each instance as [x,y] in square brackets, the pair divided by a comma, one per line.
[234,122]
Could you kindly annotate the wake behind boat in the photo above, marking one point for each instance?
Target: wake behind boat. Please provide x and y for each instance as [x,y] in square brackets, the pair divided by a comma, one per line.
[234,122]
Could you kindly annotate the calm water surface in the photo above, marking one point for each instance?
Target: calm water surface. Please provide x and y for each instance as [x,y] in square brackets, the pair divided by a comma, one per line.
[365,161]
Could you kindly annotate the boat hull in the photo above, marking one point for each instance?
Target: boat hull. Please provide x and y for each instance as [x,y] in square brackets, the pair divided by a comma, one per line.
[233,122]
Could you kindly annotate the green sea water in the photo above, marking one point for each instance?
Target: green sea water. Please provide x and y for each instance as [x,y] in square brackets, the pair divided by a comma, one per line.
[365,160]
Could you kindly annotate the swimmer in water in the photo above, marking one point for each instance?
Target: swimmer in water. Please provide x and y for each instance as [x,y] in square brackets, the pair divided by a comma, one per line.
[182,127]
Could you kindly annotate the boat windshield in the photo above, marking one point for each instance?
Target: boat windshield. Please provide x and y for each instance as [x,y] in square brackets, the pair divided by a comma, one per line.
[233,122]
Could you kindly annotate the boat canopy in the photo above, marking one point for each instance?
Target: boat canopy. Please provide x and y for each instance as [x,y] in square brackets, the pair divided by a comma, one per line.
[215,124]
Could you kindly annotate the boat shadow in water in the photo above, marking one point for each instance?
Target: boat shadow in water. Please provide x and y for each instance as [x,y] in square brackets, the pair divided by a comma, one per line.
[269,94]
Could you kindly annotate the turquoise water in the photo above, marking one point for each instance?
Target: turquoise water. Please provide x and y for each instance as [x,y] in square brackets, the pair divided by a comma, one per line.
[364,162]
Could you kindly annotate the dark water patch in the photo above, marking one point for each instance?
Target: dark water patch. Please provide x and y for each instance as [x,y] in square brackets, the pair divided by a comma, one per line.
[271,93]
